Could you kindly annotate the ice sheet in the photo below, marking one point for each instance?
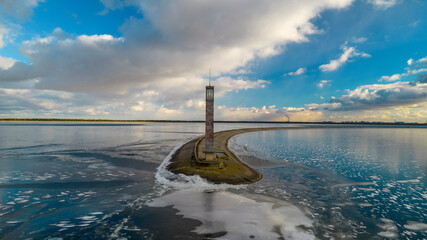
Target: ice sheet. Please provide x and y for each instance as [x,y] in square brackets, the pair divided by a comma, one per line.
[240,217]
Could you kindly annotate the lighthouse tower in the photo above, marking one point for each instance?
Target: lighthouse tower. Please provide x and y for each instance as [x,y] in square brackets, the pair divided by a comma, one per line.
[209,124]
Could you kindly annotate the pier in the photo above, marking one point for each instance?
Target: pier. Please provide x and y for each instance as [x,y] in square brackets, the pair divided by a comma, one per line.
[186,160]
[234,170]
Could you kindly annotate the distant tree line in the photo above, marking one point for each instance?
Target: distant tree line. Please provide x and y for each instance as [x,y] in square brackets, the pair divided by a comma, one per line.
[197,121]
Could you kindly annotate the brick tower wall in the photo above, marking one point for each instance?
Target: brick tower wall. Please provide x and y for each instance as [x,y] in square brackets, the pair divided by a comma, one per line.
[209,127]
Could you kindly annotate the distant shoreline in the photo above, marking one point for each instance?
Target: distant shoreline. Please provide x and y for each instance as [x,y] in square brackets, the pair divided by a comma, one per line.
[200,121]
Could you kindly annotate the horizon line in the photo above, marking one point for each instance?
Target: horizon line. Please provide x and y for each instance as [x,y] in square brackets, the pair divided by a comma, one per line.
[202,121]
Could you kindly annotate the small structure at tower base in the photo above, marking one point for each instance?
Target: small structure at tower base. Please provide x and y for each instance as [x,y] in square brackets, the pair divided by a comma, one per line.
[209,156]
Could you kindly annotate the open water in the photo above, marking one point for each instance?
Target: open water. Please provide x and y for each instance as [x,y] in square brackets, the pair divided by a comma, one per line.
[108,181]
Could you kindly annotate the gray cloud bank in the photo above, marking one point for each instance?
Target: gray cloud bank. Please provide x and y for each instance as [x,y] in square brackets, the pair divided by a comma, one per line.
[174,40]
[20,9]
[378,96]
[157,68]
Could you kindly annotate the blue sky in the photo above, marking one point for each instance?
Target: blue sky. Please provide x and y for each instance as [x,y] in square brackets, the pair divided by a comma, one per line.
[309,60]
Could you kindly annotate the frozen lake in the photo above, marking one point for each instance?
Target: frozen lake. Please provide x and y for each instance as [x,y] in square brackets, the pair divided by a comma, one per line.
[96,180]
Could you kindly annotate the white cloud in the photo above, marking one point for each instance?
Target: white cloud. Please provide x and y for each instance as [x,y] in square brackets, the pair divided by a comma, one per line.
[20,9]
[50,103]
[184,90]
[157,68]
[359,40]
[15,9]
[6,63]
[347,55]
[168,45]
[159,101]
[265,113]
[28,102]
[3,32]
[379,102]
[323,83]
[116,4]
[138,107]
[96,112]
[422,60]
[414,67]
[297,72]
[416,71]
[96,40]
[378,96]
[415,24]
[383,4]
[392,78]
[410,113]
